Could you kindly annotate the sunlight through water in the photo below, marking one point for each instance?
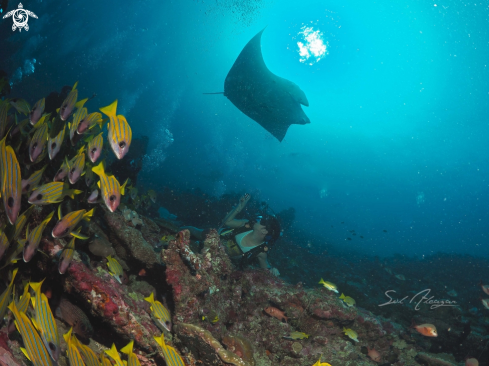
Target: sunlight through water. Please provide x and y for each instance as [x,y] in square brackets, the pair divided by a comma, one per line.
[312,48]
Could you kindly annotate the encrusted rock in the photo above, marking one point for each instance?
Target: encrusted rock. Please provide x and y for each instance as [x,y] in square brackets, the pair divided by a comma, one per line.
[201,342]
[439,359]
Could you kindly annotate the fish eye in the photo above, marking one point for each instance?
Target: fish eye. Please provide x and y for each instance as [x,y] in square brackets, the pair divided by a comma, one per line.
[10,202]
[112,198]
[73,170]
[53,145]
[52,347]
[26,244]
[93,150]
[65,231]
[39,196]
[34,146]
[122,144]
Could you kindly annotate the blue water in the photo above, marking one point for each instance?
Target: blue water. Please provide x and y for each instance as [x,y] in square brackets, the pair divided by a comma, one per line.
[398,108]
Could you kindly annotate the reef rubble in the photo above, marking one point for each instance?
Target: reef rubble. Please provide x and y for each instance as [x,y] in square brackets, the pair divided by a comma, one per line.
[218,311]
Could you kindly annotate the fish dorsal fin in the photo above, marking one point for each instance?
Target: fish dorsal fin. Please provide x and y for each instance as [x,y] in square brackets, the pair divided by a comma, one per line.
[74,86]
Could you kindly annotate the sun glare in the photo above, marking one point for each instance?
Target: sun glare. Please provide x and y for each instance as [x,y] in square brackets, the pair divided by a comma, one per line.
[312,48]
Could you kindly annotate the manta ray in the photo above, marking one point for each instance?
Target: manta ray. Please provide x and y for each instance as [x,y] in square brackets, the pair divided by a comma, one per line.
[270,100]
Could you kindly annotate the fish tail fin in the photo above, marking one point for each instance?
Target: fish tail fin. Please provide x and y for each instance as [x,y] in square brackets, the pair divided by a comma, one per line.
[74,192]
[14,273]
[112,352]
[99,169]
[413,324]
[110,110]
[128,348]
[80,103]
[48,218]
[67,336]
[36,286]
[101,122]
[150,298]
[321,281]
[89,214]
[74,86]
[161,340]
[124,186]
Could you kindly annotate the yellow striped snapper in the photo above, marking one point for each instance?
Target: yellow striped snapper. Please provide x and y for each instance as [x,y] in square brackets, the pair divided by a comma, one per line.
[329,285]
[132,359]
[351,334]
[67,223]
[88,122]
[19,225]
[95,146]
[31,243]
[159,312]
[112,352]
[62,171]
[22,305]
[37,111]
[120,133]
[11,183]
[69,104]
[77,166]
[52,192]
[172,358]
[38,142]
[54,143]
[4,243]
[104,361]
[66,256]
[73,353]
[44,321]
[5,296]
[77,117]
[21,105]
[34,348]
[110,187]
[20,127]
[115,268]
[33,181]
[86,352]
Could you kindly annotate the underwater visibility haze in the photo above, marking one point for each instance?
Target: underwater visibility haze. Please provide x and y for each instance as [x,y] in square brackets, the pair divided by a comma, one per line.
[370,148]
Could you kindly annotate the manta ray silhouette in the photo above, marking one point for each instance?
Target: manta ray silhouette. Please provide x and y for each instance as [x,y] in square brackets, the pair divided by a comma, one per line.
[272,101]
